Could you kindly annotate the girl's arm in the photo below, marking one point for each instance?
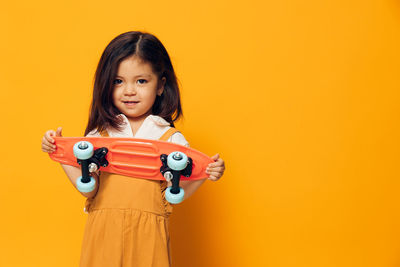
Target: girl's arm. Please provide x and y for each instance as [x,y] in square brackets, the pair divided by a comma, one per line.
[190,187]
[215,170]
[72,172]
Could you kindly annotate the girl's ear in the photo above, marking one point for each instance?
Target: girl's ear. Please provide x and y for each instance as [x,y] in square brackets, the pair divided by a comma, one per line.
[160,89]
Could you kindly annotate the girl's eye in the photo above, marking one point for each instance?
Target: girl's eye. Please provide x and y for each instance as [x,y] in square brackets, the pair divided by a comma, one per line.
[142,80]
[117,81]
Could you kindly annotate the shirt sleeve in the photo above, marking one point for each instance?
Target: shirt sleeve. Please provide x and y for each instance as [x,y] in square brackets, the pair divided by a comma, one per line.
[179,139]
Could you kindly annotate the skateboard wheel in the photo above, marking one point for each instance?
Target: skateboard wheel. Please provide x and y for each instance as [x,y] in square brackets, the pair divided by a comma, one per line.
[85,187]
[177,161]
[174,198]
[83,150]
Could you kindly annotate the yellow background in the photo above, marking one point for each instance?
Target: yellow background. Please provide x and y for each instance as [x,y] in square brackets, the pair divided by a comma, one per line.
[300,98]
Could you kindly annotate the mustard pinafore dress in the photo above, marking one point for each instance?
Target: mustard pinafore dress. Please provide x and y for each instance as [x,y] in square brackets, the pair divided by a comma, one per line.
[127,223]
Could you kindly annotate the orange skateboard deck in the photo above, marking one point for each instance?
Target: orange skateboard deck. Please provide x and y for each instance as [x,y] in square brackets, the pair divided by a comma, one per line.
[139,158]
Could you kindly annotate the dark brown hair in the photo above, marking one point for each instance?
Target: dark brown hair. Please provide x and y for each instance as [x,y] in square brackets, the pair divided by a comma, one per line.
[149,49]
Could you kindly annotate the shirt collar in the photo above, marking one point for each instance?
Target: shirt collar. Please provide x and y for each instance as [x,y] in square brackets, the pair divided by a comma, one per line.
[152,128]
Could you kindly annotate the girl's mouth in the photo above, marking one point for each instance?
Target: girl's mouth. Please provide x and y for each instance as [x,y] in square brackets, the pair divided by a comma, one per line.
[130,103]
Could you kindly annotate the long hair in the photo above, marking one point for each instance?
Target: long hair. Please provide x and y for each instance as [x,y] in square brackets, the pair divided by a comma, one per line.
[149,49]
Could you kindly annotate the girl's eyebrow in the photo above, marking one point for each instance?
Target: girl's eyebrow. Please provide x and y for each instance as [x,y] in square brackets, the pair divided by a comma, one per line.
[143,74]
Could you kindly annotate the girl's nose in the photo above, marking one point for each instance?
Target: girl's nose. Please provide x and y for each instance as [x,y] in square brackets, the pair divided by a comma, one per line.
[130,89]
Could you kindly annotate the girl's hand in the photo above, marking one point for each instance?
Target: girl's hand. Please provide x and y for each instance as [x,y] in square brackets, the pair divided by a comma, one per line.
[216,169]
[48,145]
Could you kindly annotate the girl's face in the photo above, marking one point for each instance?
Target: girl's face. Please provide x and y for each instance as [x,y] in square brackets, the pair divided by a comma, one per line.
[136,88]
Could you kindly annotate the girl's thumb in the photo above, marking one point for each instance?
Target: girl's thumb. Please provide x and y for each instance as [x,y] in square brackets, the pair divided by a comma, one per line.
[58,133]
[215,157]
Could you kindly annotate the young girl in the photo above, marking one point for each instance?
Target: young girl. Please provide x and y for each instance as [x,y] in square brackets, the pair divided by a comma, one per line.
[135,95]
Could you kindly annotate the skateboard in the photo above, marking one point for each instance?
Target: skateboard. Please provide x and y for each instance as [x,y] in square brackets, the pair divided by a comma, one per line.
[139,158]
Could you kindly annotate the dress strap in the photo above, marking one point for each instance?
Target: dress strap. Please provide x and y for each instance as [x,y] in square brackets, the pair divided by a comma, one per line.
[168,134]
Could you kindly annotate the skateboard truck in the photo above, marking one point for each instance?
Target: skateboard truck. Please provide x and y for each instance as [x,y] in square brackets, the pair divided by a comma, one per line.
[90,161]
[174,165]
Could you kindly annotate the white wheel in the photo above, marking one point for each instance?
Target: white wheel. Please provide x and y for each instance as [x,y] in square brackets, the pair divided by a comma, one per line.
[83,150]
[177,161]
[174,198]
[86,187]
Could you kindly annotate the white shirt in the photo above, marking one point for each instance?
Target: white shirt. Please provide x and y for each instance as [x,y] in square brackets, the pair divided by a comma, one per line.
[153,127]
